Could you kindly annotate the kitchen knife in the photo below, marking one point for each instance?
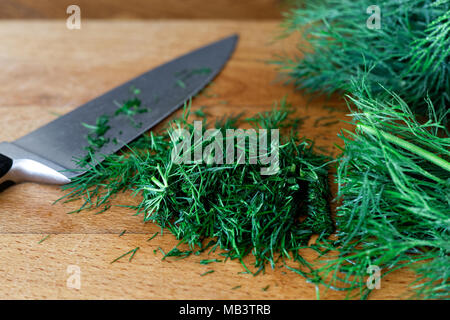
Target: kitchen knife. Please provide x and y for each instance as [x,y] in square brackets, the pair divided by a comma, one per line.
[47,155]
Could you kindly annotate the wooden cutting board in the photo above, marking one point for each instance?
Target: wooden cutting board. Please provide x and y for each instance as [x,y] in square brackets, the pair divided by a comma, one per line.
[47,70]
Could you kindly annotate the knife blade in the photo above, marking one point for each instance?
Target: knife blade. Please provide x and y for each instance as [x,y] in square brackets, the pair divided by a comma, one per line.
[47,155]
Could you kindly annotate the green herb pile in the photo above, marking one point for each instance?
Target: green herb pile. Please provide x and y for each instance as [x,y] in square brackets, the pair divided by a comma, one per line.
[393,174]
[394,187]
[232,206]
[409,54]
[394,171]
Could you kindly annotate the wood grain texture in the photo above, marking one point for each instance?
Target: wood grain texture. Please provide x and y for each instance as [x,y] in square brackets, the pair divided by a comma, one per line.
[142,9]
[47,69]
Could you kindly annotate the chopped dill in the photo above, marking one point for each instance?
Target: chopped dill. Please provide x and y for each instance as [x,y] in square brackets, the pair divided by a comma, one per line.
[208,261]
[43,239]
[207,272]
[153,236]
[130,108]
[133,252]
[96,137]
[232,206]
[175,252]
[181,83]
[135,90]
[211,244]
[162,251]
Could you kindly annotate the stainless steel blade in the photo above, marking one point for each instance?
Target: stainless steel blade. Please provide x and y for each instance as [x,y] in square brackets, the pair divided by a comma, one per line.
[162,91]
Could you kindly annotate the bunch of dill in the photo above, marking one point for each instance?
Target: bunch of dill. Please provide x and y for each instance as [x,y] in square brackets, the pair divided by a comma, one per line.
[394,187]
[409,54]
[232,205]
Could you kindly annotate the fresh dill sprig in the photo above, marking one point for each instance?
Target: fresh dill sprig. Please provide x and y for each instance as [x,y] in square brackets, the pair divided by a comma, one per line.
[232,206]
[409,54]
[394,187]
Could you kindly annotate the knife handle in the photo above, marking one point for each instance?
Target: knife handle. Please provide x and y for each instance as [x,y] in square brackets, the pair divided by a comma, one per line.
[26,170]
[5,165]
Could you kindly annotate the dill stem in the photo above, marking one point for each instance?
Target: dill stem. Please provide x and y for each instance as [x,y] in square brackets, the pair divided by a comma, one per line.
[408,146]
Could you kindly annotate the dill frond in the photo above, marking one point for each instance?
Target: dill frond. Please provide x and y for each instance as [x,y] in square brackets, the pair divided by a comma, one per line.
[394,187]
[409,54]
